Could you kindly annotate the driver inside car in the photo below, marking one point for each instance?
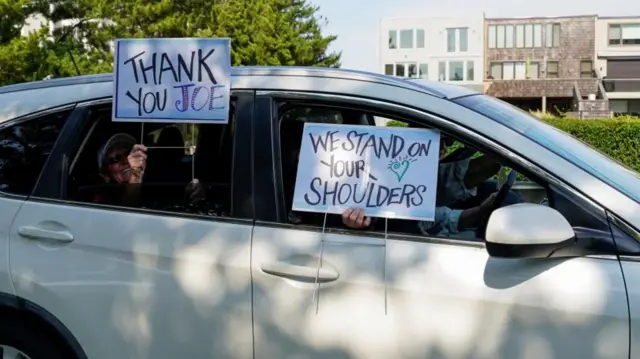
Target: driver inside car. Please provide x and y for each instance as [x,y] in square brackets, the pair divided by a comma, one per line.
[465,194]
[466,183]
[459,222]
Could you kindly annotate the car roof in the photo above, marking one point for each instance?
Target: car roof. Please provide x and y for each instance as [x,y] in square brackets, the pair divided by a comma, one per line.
[449,90]
[25,98]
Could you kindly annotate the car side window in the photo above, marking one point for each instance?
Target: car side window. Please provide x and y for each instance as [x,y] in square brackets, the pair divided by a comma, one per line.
[188,166]
[467,178]
[291,123]
[25,147]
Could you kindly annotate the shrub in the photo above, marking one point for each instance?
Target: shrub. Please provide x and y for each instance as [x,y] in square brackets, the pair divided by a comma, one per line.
[394,123]
[617,137]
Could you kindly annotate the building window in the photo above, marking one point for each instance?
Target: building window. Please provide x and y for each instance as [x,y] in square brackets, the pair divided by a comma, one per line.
[442,71]
[533,71]
[552,69]
[463,41]
[470,74]
[406,39]
[496,71]
[412,70]
[423,71]
[615,35]
[520,36]
[619,106]
[553,35]
[501,35]
[586,68]
[537,35]
[492,36]
[520,70]
[528,35]
[508,71]
[393,39]
[407,69]
[451,40]
[509,36]
[420,38]
[625,34]
[456,71]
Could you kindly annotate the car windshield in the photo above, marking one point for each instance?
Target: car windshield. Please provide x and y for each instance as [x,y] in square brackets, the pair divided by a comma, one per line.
[573,150]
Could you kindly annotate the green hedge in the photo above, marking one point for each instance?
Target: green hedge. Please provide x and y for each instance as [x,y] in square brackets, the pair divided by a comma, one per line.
[617,137]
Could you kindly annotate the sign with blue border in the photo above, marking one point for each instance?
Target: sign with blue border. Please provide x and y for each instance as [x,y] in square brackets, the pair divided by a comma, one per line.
[172,80]
[390,172]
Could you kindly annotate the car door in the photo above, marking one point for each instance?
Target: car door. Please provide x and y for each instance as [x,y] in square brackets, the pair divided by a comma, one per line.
[25,144]
[132,282]
[328,292]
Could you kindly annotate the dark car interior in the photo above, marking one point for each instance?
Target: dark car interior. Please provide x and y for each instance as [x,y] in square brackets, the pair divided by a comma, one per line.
[170,167]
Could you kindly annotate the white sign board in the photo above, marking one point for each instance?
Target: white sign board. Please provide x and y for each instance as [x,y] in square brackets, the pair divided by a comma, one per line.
[388,171]
[172,80]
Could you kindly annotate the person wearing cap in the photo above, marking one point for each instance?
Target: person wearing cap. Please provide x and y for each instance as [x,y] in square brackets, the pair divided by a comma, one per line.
[121,160]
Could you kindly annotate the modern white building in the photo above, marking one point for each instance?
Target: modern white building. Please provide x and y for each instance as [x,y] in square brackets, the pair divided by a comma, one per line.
[618,60]
[448,49]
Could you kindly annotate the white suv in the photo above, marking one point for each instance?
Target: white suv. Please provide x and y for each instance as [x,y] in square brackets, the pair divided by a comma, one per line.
[236,276]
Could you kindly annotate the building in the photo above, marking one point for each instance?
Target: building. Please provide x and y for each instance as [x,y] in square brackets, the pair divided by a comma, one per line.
[37,21]
[448,49]
[545,63]
[618,61]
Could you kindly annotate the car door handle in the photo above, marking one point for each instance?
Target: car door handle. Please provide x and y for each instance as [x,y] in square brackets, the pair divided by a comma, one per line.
[300,273]
[32,232]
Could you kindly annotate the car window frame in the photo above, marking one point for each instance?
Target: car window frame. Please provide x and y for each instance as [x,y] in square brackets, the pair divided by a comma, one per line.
[35,116]
[53,189]
[270,119]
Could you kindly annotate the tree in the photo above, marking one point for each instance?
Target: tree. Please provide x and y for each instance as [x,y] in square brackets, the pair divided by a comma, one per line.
[13,15]
[38,55]
[262,32]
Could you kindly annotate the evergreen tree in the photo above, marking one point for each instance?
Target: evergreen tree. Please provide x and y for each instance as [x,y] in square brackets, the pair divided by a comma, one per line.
[262,32]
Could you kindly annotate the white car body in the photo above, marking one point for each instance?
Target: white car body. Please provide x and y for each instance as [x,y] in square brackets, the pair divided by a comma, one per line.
[135,284]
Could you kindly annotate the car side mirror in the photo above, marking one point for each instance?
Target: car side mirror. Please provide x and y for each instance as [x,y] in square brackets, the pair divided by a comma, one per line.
[527,230]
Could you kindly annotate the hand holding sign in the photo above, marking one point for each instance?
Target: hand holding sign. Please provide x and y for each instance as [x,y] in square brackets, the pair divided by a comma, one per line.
[355,218]
[389,172]
[137,162]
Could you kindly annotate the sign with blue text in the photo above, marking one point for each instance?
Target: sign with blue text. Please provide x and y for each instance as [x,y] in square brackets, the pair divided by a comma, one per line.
[172,80]
[390,172]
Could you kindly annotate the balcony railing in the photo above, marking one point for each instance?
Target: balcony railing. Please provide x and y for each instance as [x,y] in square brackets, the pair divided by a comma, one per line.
[621,85]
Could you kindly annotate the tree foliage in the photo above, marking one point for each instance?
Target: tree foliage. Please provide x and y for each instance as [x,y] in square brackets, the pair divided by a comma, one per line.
[262,32]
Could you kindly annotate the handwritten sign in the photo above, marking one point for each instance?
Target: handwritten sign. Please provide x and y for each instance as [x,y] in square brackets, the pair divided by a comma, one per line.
[388,171]
[172,80]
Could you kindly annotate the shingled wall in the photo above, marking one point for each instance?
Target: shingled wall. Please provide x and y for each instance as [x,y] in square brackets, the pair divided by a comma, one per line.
[577,43]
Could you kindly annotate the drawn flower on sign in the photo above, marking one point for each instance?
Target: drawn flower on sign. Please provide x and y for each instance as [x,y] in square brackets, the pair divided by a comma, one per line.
[400,166]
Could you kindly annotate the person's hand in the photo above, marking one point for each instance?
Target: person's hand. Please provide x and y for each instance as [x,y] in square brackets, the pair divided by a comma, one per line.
[470,218]
[195,192]
[138,162]
[485,206]
[354,218]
